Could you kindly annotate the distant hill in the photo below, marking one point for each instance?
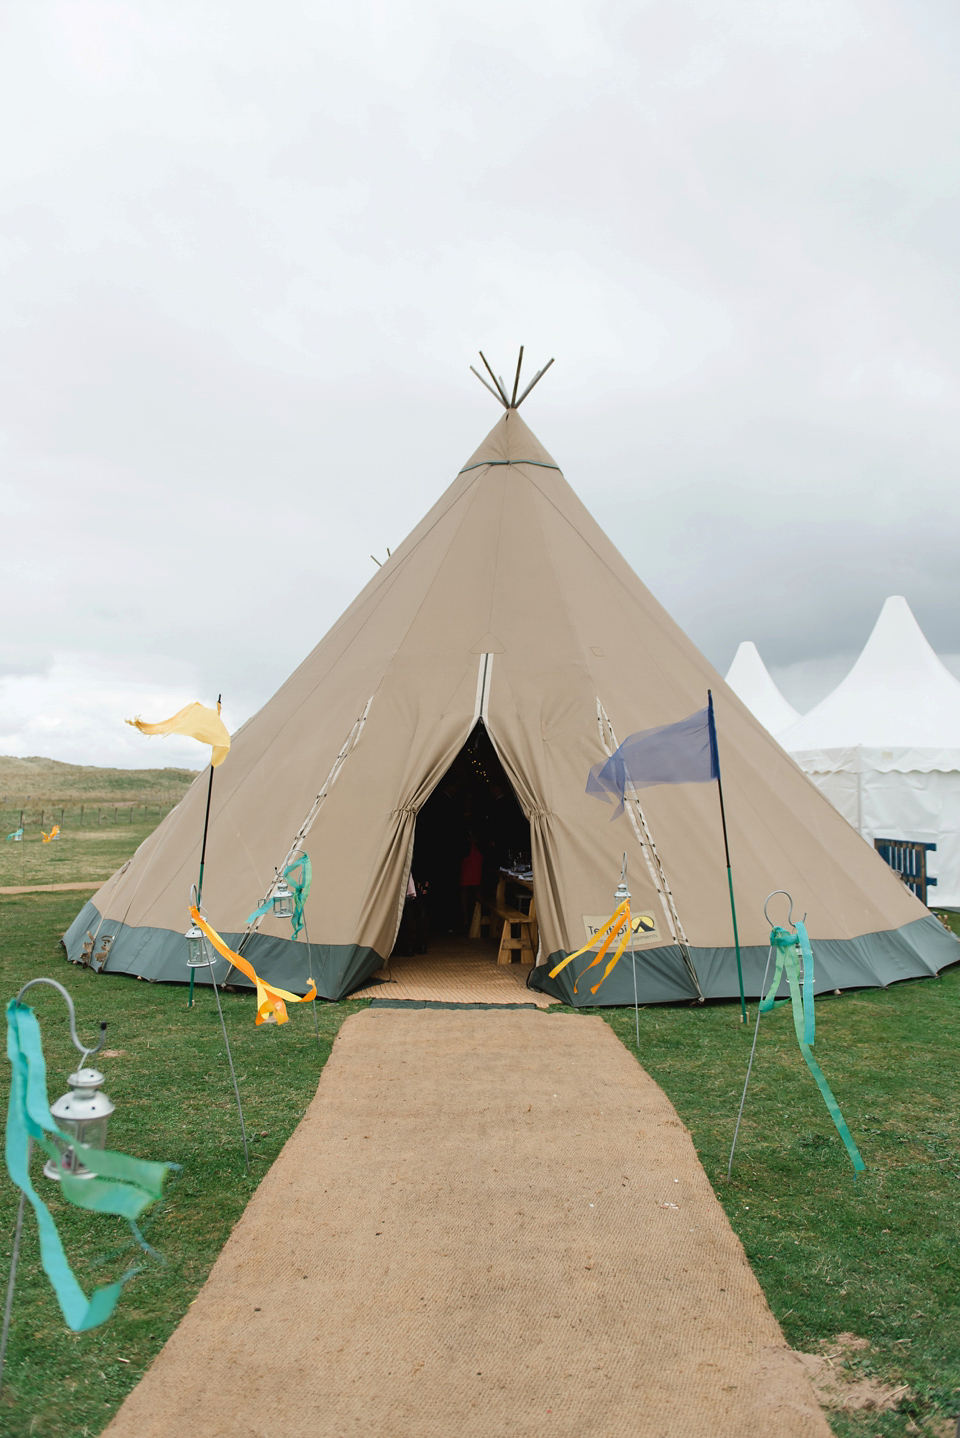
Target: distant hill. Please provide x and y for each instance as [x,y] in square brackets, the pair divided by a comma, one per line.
[48,782]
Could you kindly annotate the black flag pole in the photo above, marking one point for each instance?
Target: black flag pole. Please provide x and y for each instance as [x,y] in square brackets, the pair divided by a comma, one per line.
[715,755]
[203,855]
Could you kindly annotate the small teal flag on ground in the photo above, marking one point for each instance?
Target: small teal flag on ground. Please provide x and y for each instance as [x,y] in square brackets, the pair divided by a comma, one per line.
[682,753]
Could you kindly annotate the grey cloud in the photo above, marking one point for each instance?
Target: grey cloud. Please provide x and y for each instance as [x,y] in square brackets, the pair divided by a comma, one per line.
[248,259]
[23,659]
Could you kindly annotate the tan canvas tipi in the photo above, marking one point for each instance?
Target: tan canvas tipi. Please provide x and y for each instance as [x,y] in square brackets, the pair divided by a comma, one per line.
[508,607]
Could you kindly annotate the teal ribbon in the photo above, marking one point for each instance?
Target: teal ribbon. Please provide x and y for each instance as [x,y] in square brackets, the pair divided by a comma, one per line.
[123,1185]
[792,951]
[17,834]
[299,875]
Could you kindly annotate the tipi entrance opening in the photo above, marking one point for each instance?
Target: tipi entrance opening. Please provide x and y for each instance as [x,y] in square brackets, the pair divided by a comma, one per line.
[468,833]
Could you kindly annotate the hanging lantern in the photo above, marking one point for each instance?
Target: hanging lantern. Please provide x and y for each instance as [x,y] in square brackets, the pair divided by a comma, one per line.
[83,1113]
[200,953]
[283,900]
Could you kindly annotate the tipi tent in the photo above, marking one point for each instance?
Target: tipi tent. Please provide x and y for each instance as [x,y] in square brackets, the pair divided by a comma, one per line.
[885,747]
[508,607]
[750,680]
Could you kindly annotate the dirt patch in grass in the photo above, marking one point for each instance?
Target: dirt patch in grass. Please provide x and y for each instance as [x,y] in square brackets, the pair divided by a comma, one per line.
[840,1383]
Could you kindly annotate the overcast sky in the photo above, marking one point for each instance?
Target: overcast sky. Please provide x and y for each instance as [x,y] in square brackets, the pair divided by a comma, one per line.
[249,251]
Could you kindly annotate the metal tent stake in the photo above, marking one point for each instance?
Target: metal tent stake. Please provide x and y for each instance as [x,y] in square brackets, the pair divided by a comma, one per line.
[18,1231]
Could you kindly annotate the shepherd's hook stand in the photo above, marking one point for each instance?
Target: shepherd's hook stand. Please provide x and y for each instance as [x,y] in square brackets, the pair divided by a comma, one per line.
[15,1255]
[756,1031]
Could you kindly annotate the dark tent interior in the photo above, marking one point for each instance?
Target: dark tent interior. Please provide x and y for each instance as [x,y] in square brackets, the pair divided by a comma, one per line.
[470,827]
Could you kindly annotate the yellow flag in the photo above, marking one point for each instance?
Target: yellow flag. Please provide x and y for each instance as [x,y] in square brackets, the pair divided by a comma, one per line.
[53,834]
[196,722]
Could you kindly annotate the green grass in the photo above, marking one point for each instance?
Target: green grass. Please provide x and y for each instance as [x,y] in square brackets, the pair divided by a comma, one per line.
[879,1258]
[174,1101]
[91,853]
[103,815]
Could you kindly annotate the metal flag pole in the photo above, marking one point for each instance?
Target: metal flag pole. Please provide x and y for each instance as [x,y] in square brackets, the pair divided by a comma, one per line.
[203,859]
[306,936]
[712,726]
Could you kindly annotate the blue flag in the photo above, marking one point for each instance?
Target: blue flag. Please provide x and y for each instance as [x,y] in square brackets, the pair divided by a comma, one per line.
[683,753]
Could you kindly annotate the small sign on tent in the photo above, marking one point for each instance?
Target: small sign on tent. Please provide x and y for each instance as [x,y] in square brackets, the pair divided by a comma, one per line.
[645,930]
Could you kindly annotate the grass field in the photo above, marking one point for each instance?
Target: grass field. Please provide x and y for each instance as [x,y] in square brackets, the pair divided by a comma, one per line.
[35,782]
[74,856]
[170,1083]
[103,815]
[879,1259]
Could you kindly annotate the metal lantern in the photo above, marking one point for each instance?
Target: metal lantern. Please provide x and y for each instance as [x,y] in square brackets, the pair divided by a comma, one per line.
[83,1113]
[283,900]
[200,953]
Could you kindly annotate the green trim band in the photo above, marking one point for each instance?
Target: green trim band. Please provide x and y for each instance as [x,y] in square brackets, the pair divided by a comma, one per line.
[490,463]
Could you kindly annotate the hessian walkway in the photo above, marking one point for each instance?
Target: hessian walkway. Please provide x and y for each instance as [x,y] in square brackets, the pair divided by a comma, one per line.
[489,1222]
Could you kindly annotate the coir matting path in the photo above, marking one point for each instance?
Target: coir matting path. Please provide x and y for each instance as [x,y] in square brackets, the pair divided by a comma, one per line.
[489,1222]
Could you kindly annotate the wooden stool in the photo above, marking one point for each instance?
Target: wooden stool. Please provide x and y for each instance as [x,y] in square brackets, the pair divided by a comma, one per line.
[479,919]
[525,943]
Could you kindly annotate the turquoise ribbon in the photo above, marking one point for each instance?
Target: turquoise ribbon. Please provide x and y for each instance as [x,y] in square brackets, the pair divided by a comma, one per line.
[300,884]
[122,1185]
[17,834]
[792,950]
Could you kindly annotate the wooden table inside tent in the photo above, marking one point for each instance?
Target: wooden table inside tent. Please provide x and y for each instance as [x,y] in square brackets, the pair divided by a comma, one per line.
[508,913]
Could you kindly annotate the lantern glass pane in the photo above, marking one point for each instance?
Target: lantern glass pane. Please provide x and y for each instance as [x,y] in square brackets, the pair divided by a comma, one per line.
[199,953]
[93,1133]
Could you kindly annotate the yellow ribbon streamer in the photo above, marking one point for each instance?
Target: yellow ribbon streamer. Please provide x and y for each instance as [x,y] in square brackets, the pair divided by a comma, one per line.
[196,721]
[271,1008]
[607,934]
[52,834]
